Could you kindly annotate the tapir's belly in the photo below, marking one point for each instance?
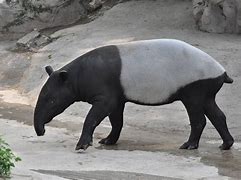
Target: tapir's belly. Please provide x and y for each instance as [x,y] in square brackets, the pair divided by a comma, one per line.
[151,72]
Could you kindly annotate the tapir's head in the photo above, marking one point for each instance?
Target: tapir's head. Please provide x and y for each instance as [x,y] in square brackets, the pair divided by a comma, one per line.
[56,95]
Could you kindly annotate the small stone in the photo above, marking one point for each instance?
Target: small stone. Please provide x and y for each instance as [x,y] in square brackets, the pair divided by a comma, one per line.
[26,40]
[42,40]
[92,5]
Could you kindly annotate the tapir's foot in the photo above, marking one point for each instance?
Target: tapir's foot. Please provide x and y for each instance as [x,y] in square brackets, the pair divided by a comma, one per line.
[189,146]
[226,145]
[84,143]
[108,141]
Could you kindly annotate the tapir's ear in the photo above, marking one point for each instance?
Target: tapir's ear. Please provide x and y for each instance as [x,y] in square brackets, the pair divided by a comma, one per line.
[49,70]
[63,75]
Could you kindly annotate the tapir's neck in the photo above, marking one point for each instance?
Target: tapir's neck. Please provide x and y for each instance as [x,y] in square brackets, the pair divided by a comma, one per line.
[76,73]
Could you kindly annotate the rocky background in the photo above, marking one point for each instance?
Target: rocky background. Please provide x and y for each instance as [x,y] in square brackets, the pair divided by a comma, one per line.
[218,16]
[18,17]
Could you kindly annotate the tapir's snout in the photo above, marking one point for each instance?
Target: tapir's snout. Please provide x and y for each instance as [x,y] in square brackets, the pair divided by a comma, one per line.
[40,133]
[39,129]
[40,120]
[38,125]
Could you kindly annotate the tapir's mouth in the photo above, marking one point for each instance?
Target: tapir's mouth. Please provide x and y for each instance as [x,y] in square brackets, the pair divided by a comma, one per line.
[40,126]
[40,133]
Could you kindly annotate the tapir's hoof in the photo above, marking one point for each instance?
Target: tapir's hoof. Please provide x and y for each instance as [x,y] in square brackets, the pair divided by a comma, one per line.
[107,141]
[226,145]
[81,146]
[189,146]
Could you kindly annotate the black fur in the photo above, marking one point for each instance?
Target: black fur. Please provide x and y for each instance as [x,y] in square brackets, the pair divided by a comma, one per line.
[199,100]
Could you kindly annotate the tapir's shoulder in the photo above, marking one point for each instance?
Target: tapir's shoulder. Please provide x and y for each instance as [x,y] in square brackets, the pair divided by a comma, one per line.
[109,51]
[99,57]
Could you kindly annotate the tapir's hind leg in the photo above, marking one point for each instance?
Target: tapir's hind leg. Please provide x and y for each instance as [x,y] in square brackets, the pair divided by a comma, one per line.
[116,120]
[197,120]
[199,99]
[218,119]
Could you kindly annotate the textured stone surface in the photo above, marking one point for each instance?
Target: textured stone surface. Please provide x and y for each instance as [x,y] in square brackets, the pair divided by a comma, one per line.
[32,41]
[42,14]
[92,5]
[19,17]
[219,16]
[27,38]
[25,15]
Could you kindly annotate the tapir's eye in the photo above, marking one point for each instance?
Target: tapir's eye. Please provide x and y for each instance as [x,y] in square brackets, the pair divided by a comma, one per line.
[50,100]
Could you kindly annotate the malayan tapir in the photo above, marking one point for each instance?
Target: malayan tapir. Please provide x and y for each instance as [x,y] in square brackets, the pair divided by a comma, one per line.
[148,72]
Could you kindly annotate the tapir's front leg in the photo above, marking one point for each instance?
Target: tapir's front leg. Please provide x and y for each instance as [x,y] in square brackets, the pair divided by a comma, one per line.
[97,113]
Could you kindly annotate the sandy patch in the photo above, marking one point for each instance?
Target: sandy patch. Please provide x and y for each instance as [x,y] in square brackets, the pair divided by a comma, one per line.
[13,96]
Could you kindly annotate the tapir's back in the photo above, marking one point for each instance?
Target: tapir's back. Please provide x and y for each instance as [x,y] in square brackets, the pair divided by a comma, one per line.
[153,70]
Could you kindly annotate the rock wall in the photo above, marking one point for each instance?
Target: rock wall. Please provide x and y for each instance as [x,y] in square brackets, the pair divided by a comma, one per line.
[219,16]
[18,17]
[22,16]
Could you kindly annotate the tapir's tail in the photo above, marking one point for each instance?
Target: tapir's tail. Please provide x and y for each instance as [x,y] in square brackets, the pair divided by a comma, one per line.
[227,79]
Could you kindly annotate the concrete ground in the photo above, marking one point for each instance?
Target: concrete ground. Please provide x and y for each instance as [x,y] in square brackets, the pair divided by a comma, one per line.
[148,146]
[143,151]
